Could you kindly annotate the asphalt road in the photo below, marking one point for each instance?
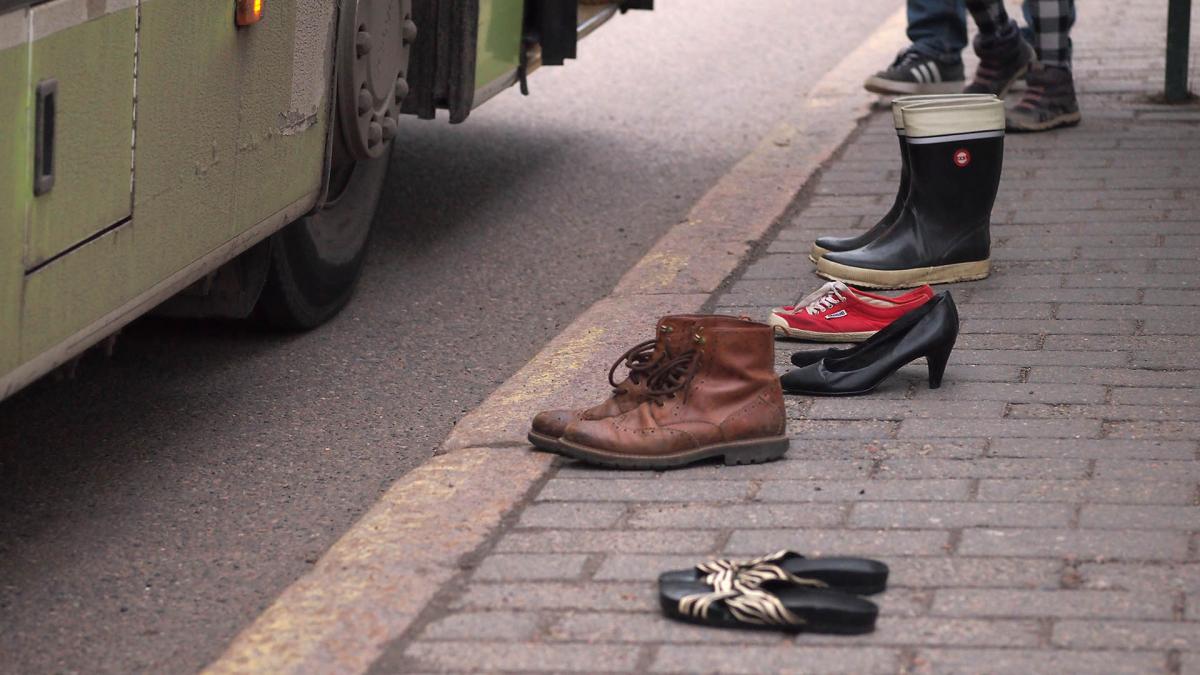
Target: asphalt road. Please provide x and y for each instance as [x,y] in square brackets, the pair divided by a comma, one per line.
[152,505]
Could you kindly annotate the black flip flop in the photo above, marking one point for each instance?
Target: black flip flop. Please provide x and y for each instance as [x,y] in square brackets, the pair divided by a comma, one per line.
[774,605]
[860,576]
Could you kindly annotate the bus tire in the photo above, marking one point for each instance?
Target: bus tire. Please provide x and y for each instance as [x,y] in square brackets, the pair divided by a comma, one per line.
[316,260]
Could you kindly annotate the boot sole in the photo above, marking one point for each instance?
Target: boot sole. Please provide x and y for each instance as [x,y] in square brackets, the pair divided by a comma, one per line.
[909,278]
[783,330]
[544,442]
[878,85]
[755,451]
[1069,120]
[817,253]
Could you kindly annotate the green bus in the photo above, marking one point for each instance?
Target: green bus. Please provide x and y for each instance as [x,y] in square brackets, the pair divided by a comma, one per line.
[223,158]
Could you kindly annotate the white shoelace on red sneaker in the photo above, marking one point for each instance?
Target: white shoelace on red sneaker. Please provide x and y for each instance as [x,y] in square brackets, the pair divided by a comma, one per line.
[823,298]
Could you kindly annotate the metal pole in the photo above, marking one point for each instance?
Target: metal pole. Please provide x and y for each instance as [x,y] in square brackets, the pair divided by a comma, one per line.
[1179,23]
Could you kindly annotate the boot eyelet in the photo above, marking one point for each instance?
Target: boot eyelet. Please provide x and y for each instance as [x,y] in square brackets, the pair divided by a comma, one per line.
[666,329]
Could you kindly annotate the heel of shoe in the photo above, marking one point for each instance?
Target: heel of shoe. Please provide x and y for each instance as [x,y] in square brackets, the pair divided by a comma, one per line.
[937,359]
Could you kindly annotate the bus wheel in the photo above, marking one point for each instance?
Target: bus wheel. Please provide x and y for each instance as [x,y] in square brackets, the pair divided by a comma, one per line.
[316,261]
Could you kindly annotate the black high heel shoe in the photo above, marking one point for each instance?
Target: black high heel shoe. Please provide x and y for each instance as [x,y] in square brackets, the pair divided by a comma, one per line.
[928,331]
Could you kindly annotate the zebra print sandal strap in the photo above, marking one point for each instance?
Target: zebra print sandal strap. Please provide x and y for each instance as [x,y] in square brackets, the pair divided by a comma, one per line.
[861,576]
[772,605]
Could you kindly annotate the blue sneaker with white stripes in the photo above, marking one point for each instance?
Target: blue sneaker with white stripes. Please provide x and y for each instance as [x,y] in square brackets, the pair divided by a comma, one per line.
[915,73]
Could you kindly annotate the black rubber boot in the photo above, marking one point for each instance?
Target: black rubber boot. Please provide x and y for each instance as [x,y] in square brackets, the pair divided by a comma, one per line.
[942,235]
[1003,58]
[825,245]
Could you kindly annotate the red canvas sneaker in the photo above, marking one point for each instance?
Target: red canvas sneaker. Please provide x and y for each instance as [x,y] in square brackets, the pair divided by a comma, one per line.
[836,312]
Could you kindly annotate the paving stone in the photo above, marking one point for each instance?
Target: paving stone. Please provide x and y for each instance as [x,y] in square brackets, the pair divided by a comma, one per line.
[1092,448]
[1187,471]
[844,408]
[740,516]
[1166,430]
[1157,396]
[1108,413]
[959,514]
[1061,295]
[608,627]
[479,656]
[1100,491]
[873,543]
[949,572]
[624,596]
[1025,661]
[1124,516]
[1040,358]
[1157,635]
[777,659]
[571,514]
[997,341]
[1119,377]
[1019,393]
[483,626]
[957,632]
[641,490]
[878,490]
[1047,603]
[1009,310]
[1122,544]
[983,468]
[1005,428]
[518,566]
[607,541]
[810,430]
[637,567]
[795,465]
[1158,578]
[1051,326]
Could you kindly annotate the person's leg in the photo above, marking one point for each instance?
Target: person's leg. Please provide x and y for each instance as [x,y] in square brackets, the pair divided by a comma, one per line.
[1049,101]
[989,15]
[1004,55]
[932,64]
[938,28]
[1051,21]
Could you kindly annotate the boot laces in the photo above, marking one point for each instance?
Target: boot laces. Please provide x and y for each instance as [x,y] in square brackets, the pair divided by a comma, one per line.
[823,298]
[673,376]
[640,360]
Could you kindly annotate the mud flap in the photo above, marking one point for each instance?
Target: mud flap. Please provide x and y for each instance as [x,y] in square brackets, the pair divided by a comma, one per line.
[442,62]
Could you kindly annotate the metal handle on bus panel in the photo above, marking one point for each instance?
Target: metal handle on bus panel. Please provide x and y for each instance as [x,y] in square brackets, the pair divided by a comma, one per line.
[43,150]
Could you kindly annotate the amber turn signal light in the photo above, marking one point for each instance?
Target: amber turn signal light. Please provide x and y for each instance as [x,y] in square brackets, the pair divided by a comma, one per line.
[249,11]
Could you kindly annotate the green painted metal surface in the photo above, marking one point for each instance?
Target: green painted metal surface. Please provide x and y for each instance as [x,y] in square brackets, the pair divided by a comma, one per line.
[16,187]
[499,48]
[230,129]
[93,63]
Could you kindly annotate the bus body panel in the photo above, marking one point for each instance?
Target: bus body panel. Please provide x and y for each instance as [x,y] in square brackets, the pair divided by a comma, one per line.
[16,176]
[92,59]
[231,130]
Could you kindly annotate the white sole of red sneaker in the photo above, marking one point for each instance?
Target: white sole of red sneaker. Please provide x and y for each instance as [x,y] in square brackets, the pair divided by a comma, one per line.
[782,329]
[910,278]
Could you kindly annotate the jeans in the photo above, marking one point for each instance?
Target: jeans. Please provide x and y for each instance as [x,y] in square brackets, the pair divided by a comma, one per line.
[938,28]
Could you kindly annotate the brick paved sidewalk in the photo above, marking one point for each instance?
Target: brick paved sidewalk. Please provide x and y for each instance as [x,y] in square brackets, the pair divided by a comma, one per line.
[1040,511]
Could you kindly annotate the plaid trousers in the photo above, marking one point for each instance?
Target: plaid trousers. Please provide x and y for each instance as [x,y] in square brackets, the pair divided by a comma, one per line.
[1050,21]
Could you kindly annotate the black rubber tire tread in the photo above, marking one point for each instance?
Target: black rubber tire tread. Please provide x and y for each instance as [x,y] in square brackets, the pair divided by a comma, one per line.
[303,289]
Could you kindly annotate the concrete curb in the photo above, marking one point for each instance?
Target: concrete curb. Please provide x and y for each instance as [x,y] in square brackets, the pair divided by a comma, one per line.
[374,581]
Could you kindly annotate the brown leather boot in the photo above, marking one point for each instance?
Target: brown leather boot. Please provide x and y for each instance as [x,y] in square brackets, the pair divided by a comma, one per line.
[719,399]
[673,336]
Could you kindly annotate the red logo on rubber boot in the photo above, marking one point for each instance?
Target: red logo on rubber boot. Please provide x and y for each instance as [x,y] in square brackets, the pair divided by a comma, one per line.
[962,157]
